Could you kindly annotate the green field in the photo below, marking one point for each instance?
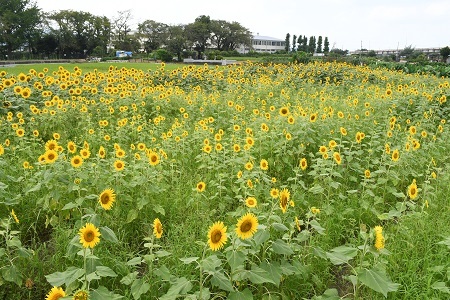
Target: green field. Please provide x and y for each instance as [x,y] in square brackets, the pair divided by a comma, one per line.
[274,181]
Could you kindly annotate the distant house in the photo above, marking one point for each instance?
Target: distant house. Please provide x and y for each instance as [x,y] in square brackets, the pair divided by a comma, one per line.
[263,44]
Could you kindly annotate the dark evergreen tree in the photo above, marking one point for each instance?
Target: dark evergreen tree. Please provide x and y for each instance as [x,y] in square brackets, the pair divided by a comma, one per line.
[311,44]
[294,43]
[287,42]
[319,45]
[326,45]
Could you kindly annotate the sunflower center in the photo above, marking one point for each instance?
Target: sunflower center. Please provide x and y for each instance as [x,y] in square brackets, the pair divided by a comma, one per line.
[284,200]
[104,199]
[246,226]
[154,158]
[158,228]
[216,236]
[51,156]
[89,236]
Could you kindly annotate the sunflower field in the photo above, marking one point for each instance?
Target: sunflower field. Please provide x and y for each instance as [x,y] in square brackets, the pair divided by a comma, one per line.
[251,181]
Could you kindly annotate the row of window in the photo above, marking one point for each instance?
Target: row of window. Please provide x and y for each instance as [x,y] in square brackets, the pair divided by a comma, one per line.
[268,43]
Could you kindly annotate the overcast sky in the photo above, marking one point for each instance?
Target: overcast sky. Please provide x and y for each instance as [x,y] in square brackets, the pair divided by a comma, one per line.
[378,24]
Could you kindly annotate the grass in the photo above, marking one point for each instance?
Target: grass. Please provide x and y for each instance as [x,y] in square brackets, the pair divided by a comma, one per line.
[191,119]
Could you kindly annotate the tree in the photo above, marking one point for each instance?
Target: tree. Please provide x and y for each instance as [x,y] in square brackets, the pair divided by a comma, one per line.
[121,29]
[177,42]
[154,34]
[311,44]
[287,42]
[228,36]
[294,43]
[445,52]
[326,45]
[18,20]
[199,33]
[299,43]
[319,45]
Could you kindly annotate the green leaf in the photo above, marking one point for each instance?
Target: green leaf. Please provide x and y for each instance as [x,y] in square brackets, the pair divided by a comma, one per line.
[139,287]
[441,286]
[314,224]
[132,214]
[108,234]
[377,281]
[220,280]
[135,261]
[280,227]
[163,273]
[241,295]
[66,277]
[274,270]
[159,209]
[188,260]
[180,286]
[162,253]
[128,279]
[11,274]
[281,247]
[258,275]
[104,271]
[102,293]
[260,237]
[316,189]
[236,259]
[341,254]
[210,264]
[445,242]
[330,294]
[69,205]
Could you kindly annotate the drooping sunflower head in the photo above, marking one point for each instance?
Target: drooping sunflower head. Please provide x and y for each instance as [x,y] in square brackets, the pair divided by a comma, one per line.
[55,293]
[246,226]
[81,295]
[89,235]
[217,236]
[284,199]
[157,228]
[107,198]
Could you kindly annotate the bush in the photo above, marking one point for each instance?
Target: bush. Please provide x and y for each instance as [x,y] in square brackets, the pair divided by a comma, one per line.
[164,55]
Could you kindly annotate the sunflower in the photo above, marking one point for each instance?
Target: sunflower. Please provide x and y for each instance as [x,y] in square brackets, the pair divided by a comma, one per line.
[395,155]
[343,131]
[50,156]
[246,226]
[89,235]
[303,163]
[248,166]
[120,153]
[367,173]
[337,158]
[379,239]
[20,132]
[201,186]
[157,228]
[313,118]
[102,152]
[275,193]
[107,198]
[119,165]
[264,165]
[249,141]
[76,161]
[55,293]
[2,150]
[284,111]
[153,158]
[323,149]
[284,199]
[236,148]
[81,295]
[217,236]
[207,148]
[85,153]
[251,202]
[71,147]
[13,214]
[51,145]
[412,190]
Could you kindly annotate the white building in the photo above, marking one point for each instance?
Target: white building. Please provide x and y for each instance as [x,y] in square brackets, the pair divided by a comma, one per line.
[263,44]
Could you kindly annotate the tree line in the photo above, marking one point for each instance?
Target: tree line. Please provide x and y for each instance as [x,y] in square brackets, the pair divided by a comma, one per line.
[27,31]
[305,44]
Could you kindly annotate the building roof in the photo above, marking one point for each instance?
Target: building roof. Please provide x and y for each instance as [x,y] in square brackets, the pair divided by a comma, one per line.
[266,38]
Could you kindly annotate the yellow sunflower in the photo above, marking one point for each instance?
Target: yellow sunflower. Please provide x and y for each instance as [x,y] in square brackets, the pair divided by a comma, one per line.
[412,190]
[119,165]
[51,145]
[85,153]
[275,193]
[89,235]
[303,164]
[157,228]
[55,293]
[264,165]
[76,161]
[251,202]
[217,236]
[71,147]
[284,111]
[50,156]
[107,198]
[337,158]
[201,186]
[246,226]
[153,158]
[395,155]
[101,152]
[284,199]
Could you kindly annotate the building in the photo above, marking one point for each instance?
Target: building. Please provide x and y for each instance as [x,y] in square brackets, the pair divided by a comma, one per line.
[263,44]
